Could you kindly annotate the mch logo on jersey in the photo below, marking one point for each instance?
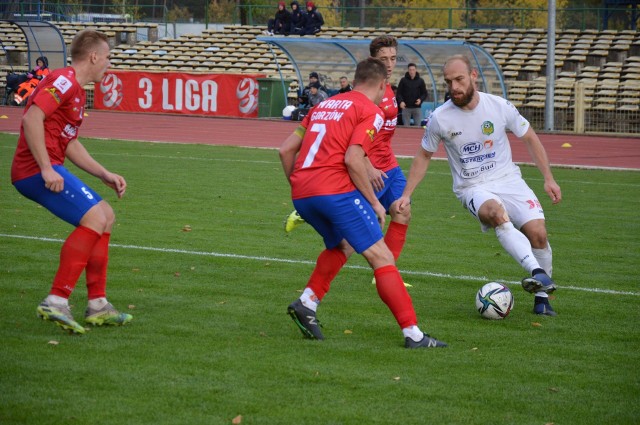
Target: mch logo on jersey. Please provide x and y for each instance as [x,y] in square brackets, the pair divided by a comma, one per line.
[487,128]
[470,148]
[247,94]
[111,87]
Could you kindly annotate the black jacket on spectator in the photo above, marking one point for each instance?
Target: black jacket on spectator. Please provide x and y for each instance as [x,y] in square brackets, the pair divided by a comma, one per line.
[314,21]
[281,22]
[409,90]
[297,18]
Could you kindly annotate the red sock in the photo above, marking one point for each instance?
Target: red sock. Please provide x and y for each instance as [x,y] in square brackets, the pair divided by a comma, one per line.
[395,238]
[97,268]
[395,296]
[329,263]
[73,260]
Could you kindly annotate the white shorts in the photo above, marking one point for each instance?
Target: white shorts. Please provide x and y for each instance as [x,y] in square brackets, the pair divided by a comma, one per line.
[519,201]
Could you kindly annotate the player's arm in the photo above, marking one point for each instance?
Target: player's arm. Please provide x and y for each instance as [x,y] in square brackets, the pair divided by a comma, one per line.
[418,170]
[356,162]
[289,150]
[33,124]
[78,154]
[539,156]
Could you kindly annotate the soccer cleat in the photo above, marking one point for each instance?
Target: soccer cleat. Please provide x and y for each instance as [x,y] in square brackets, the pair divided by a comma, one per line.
[543,308]
[107,315]
[425,342]
[305,319]
[60,315]
[293,220]
[407,285]
[539,282]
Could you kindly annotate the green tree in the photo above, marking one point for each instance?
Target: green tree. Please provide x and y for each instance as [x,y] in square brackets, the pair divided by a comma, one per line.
[179,14]
[222,11]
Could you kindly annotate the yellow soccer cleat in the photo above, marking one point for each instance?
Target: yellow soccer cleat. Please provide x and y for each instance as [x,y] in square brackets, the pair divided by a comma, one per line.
[293,220]
[60,315]
[107,315]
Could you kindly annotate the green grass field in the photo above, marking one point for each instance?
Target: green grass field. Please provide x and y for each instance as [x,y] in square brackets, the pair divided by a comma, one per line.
[211,340]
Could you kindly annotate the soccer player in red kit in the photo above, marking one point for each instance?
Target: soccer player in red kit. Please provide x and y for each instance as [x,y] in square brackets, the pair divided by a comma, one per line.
[326,165]
[384,173]
[49,135]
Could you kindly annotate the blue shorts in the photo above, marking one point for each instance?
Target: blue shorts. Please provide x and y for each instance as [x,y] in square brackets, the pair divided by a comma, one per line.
[345,216]
[70,205]
[394,185]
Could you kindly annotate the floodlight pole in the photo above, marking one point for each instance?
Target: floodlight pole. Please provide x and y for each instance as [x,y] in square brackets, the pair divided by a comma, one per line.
[549,109]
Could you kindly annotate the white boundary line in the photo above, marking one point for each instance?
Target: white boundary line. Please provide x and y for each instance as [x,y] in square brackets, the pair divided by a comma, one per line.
[290,261]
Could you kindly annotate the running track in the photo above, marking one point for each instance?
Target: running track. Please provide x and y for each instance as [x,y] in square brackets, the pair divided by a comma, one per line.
[585,151]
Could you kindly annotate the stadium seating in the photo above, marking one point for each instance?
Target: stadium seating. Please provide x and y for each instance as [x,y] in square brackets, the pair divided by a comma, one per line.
[606,62]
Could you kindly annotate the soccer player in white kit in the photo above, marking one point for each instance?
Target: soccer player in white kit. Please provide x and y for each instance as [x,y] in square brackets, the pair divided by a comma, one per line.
[472,125]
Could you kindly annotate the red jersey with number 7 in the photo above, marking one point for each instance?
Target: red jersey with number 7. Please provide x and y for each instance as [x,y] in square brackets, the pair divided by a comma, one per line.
[62,100]
[331,127]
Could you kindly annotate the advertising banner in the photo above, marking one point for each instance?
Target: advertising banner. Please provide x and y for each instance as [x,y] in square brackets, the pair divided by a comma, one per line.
[228,95]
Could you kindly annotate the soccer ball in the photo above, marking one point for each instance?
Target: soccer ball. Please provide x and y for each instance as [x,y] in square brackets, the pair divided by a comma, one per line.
[494,301]
[287,111]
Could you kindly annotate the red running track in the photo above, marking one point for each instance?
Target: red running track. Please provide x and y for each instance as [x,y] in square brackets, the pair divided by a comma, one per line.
[585,151]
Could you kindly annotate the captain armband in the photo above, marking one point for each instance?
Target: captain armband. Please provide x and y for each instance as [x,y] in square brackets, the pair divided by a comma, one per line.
[300,131]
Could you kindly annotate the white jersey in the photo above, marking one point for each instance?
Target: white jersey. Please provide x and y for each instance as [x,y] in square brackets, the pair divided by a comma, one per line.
[476,141]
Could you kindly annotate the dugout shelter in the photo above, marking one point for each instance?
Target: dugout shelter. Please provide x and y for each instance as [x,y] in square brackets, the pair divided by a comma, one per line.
[333,58]
[42,39]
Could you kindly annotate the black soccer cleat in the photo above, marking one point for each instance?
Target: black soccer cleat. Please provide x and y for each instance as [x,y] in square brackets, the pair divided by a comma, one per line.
[305,319]
[425,342]
[539,282]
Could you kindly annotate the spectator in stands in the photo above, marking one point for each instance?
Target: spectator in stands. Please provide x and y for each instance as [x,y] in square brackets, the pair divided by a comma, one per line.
[412,91]
[304,96]
[314,21]
[298,17]
[30,81]
[344,85]
[280,24]
[316,94]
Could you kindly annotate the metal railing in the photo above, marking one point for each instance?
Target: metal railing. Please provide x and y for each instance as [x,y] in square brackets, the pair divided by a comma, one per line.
[370,16]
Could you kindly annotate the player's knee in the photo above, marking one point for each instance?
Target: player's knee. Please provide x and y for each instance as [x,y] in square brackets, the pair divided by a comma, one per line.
[402,217]
[538,239]
[536,232]
[109,214]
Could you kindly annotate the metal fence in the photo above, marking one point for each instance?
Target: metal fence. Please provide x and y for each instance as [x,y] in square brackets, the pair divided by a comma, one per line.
[582,106]
[370,16]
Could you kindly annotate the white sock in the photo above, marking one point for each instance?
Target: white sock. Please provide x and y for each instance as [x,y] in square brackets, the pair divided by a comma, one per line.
[517,245]
[56,300]
[545,258]
[97,303]
[309,299]
[414,333]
